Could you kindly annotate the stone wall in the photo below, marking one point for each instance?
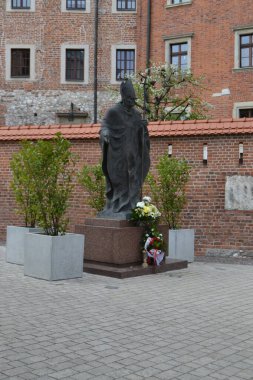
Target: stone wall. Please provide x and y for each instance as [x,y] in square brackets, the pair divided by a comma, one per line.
[40,107]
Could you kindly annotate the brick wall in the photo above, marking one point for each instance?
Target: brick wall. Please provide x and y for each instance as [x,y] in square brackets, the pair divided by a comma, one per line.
[212,24]
[215,227]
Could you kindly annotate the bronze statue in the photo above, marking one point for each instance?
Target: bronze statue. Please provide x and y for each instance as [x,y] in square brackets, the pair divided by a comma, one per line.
[125,145]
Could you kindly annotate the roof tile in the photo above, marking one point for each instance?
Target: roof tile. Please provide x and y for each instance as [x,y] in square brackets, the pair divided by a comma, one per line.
[161,128]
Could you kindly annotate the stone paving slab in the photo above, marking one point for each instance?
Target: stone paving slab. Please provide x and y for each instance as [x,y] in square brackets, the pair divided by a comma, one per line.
[192,324]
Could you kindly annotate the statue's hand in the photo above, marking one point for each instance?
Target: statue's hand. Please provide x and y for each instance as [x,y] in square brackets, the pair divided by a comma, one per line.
[105,137]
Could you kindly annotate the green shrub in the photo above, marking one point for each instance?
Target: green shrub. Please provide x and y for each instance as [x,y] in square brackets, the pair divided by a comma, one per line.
[22,184]
[52,173]
[91,177]
[168,188]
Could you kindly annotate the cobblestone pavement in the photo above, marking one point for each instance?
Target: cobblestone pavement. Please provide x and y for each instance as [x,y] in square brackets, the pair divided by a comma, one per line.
[192,324]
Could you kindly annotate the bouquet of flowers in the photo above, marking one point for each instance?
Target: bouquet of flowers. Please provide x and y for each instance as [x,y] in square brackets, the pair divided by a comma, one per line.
[145,211]
[146,214]
[153,247]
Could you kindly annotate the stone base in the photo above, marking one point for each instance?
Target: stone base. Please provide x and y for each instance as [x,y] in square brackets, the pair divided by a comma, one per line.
[132,271]
[112,241]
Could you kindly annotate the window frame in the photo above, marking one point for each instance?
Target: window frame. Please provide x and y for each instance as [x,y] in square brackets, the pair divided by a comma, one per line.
[10,9]
[8,49]
[18,66]
[123,11]
[126,9]
[64,8]
[169,41]
[76,8]
[64,48]
[180,54]
[21,7]
[241,31]
[250,47]
[114,60]
[75,63]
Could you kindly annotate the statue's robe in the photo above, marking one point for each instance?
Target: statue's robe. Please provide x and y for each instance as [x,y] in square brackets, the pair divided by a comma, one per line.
[126,159]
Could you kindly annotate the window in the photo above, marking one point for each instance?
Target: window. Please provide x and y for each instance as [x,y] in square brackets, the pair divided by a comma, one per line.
[20,4]
[74,65]
[76,4]
[246,50]
[179,55]
[171,3]
[243,53]
[246,112]
[122,62]
[126,5]
[20,63]
[243,109]
[178,50]
[125,63]
[178,1]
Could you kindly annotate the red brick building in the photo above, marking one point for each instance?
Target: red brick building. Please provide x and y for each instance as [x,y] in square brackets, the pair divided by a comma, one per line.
[51,55]
[213,39]
[47,53]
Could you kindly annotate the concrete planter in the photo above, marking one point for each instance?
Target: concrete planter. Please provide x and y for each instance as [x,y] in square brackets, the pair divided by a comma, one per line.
[181,244]
[15,243]
[53,257]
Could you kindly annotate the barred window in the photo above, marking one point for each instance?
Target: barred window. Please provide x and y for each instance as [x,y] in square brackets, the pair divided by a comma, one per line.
[125,63]
[126,5]
[20,63]
[21,4]
[74,64]
[76,4]
[179,55]
[246,50]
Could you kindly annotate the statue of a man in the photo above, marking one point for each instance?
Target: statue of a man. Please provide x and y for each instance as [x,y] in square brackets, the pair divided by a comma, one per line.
[125,145]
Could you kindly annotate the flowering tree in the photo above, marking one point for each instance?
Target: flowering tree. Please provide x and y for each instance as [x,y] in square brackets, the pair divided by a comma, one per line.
[171,94]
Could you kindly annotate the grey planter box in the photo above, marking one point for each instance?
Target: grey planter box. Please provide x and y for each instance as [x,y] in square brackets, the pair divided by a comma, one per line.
[181,244]
[15,243]
[53,257]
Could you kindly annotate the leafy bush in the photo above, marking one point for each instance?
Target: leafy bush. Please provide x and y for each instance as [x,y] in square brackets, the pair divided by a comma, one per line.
[52,172]
[22,184]
[91,177]
[168,188]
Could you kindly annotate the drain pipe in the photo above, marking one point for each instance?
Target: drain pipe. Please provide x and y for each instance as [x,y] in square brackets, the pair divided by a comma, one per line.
[148,35]
[95,62]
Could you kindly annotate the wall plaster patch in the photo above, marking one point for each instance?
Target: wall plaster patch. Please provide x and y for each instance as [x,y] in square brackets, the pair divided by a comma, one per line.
[239,193]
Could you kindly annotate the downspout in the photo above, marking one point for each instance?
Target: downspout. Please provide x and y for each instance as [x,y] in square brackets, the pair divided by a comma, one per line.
[148,34]
[95,62]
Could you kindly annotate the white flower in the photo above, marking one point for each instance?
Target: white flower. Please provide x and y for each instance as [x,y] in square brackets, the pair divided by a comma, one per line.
[140,204]
[146,199]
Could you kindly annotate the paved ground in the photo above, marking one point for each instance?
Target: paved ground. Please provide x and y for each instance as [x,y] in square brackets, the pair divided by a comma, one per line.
[192,324]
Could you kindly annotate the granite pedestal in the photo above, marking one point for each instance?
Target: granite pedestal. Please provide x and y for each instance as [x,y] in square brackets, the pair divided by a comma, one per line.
[112,248]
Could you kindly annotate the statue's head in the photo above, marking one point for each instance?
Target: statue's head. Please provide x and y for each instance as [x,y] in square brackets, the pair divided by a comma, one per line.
[127,93]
